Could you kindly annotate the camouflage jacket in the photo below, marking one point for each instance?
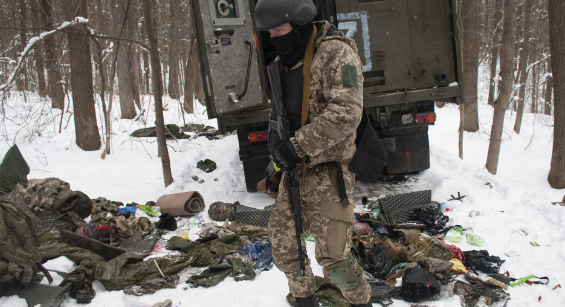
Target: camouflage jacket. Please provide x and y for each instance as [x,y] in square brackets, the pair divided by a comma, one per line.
[336,99]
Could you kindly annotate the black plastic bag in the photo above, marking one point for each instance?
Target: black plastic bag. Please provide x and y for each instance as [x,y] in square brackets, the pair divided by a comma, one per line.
[377,263]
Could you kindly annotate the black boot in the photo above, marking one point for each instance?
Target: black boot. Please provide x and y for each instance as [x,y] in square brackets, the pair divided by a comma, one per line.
[310,301]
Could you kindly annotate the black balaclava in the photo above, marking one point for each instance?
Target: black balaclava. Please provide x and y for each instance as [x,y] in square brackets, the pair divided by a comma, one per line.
[291,47]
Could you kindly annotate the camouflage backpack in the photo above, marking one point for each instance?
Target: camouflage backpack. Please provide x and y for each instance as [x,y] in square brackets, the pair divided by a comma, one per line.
[427,246]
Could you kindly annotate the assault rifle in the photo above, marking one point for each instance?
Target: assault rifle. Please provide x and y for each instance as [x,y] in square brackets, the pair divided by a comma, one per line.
[290,179]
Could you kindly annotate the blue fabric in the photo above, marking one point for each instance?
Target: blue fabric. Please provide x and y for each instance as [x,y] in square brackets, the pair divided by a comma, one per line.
[261,253]
[130,209]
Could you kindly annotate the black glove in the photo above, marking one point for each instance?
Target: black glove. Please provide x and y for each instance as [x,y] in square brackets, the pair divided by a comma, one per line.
[285,155]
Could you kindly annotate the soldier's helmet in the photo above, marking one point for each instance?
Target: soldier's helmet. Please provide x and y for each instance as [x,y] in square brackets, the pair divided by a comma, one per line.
[273,13]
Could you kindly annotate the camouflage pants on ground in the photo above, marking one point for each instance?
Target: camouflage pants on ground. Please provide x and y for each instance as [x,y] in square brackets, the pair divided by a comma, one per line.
[327,220]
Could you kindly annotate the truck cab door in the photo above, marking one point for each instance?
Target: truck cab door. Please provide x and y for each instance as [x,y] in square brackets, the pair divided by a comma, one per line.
[227,49]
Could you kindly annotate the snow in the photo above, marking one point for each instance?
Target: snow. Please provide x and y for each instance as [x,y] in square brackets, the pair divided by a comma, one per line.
[61,264]
[513,206]
[12,301]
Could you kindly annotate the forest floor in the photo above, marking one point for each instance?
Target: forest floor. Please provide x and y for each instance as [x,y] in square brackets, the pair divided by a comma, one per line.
[514,207]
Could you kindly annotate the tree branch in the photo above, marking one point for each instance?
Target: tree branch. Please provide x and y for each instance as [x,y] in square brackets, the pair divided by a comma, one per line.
[32,41]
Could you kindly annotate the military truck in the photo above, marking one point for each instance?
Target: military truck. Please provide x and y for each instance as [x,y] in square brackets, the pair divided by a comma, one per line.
[411,59]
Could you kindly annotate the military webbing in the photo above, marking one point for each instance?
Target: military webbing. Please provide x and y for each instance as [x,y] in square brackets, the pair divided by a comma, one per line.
[306,91]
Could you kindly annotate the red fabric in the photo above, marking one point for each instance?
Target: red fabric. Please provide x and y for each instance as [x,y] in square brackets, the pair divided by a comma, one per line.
[102,227]
[457,253]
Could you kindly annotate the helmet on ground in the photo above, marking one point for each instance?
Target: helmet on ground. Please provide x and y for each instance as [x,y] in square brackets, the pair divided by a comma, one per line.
[273,13]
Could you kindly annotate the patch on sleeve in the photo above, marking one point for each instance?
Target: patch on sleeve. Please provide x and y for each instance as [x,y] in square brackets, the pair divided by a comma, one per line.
[349,75]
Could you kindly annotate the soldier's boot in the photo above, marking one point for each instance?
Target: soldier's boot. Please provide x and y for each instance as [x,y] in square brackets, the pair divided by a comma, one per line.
[310,301]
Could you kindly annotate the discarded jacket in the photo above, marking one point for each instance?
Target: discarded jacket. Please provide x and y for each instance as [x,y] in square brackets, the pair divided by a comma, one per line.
[20,236]
[482,261]
[130,269]
[241,268]
[204,254]
[261,253]
[265,260]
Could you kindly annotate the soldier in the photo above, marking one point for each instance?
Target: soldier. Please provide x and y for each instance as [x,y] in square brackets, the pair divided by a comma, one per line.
[327,141]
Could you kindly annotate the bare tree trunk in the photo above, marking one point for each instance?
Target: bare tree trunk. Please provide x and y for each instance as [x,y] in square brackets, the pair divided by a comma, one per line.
[146,72]
[534,105]
[38,50]
[133,33]
[470,50]
[523,65]
[548,90]
[174,51]
[198,88]
[189,79]
[21,83]
[145,57]
[506,72]
[125,89]
[556,13]
[86,128]
[157,90]
[495,48]
[54,86]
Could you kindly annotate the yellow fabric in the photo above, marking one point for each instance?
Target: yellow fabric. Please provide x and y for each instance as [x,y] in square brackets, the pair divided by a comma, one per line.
[458,267]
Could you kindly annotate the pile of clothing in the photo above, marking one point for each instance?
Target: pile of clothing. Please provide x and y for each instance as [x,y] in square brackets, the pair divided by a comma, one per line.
[401,245]
[43,219]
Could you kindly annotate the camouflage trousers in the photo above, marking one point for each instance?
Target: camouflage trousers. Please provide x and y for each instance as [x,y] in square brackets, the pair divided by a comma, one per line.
[327,220]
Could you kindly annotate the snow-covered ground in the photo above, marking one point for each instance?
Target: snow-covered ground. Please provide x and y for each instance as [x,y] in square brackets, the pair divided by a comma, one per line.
[517,198]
